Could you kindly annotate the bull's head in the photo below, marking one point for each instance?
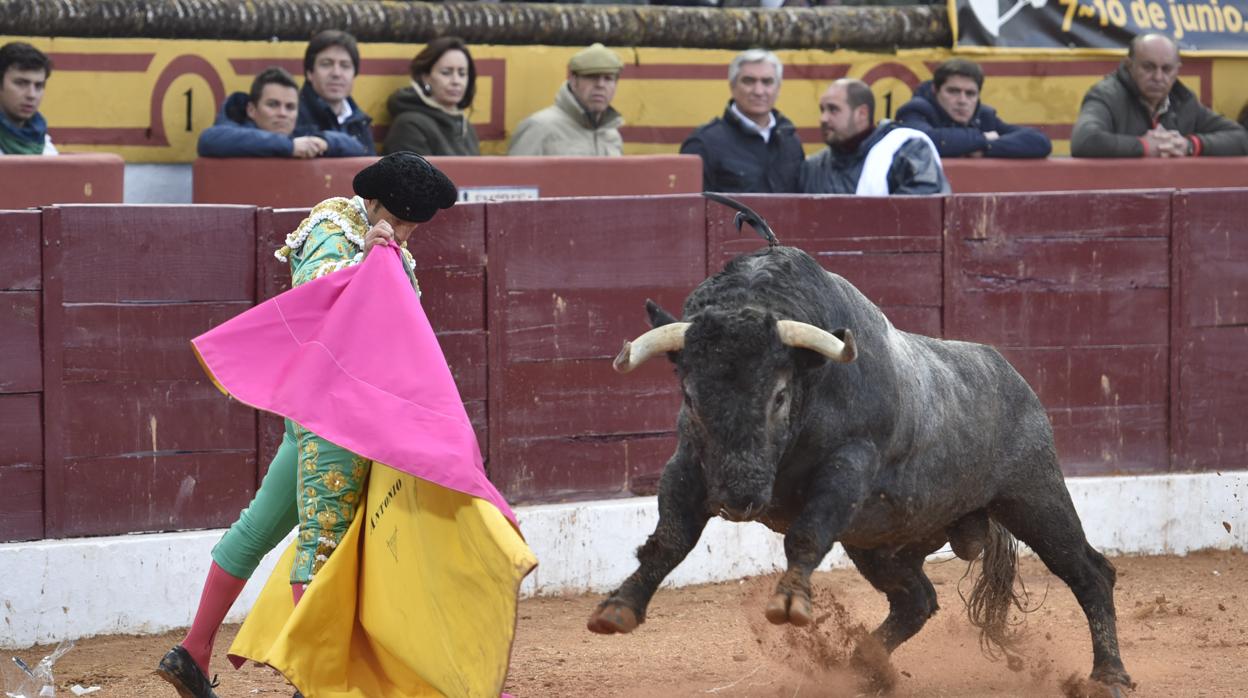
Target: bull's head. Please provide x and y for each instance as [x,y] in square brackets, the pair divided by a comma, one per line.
[742,374]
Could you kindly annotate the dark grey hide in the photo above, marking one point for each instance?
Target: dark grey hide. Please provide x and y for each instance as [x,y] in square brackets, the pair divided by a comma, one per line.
[915,443]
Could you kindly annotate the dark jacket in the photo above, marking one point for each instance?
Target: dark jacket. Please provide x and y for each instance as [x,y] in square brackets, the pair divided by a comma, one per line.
[738,160]
[233,135]
[915,168]
[315,116]
[1113,117]
[954,140]
[425,129]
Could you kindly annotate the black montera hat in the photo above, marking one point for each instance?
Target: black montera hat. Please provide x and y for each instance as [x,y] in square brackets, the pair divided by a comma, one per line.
[407,185]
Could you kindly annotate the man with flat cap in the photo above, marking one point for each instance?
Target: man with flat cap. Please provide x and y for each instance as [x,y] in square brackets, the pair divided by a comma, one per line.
[310,477]
[581,121]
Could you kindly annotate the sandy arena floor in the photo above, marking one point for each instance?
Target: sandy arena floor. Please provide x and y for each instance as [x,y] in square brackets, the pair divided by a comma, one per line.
[1183,625]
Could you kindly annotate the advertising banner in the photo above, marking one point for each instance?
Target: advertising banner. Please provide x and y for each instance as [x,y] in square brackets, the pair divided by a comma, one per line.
[1212,26]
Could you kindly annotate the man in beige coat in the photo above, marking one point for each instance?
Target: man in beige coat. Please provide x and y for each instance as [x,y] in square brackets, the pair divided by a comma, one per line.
[581,122]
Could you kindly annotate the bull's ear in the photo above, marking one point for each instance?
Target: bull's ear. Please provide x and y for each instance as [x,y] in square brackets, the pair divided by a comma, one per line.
[658,316]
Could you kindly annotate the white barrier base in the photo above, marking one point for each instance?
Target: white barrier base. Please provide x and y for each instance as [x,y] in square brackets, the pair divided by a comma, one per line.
[65,589]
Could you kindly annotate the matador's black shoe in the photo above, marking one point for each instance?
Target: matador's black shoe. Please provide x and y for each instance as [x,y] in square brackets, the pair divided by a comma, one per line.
[184,674]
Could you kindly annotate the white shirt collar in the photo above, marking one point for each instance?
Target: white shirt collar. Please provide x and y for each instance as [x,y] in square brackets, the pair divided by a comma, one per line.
[346,112]
[765,132]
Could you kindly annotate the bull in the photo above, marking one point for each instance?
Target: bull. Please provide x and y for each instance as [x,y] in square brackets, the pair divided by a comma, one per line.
[806,410]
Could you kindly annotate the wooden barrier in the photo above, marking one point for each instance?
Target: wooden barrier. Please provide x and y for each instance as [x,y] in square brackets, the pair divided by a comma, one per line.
[39,180]
[1074,290]
[136,437]
[1126,311]
[1209,330]
[281,182]
[21,377]
[987,175]
[567,285]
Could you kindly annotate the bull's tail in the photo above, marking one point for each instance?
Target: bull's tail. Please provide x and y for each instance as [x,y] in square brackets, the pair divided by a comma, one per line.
[993,593]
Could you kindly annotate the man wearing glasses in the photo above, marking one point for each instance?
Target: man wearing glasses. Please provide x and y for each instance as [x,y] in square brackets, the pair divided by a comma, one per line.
[1142,110]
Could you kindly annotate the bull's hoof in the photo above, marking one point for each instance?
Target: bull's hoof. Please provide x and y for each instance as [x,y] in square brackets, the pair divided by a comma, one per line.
[790,608]
[612,617]
[1116,680]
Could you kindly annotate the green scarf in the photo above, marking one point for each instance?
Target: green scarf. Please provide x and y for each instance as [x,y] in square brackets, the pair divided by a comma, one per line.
[23,140]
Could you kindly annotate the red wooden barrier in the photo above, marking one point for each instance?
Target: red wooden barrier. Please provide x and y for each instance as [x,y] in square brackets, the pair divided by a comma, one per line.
[136,437]
[21,378]
[38,180]
[303,183]
[889,248]
[1074,289]
[567,283]
[1209,330]
[980,175]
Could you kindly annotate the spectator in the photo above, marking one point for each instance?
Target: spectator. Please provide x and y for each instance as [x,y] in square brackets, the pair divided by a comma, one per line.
[752,147]
[1142,110]
[865,159]
[582,120]
[948,110]
[429,116]
[330,64]
[24,72]
[260,124]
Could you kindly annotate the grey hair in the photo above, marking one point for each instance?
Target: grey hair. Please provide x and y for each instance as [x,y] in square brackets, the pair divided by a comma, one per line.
[754,55]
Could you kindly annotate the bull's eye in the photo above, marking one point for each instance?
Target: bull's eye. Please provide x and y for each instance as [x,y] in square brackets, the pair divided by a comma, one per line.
[781,397]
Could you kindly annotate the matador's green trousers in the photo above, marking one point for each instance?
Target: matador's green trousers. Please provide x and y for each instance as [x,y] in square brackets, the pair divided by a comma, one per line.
[311,483]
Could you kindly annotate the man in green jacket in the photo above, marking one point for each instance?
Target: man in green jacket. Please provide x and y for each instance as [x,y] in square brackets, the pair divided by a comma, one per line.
[1142,110]
[581,121]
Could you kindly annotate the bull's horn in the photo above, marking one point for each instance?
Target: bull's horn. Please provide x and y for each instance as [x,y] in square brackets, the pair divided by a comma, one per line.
[800,334]
[664,338]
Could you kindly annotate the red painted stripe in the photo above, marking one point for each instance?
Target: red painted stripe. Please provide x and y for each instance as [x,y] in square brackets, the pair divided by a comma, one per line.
[253,66]
[102,136]
[102,62]
[675,135]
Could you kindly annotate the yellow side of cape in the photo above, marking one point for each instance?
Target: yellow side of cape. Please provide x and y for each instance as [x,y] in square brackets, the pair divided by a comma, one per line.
[434,574]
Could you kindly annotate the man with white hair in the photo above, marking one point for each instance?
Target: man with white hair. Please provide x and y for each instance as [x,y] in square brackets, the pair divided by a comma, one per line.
[752,147]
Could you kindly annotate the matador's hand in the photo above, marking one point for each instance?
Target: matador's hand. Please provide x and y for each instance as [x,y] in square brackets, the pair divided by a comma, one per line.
[380,234]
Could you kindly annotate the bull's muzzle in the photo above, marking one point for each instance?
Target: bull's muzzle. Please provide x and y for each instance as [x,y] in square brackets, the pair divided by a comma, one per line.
[671,337]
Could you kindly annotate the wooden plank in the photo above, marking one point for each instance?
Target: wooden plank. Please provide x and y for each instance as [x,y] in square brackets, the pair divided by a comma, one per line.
[138,342]
[1213,430]
[54,406]
[21,430]
[21,324]
[1095,376]
[890,279]
[572,398]
[1216,258]
[466,355]
[1063,215]
[1060,265]
[455,238]
[20,238]
[158,253]
[1111,440]
[555,469]
[453,299]
[272,274]
[548,325]
[645,459]
[921,320]
[829,224]
[156,492]
[21,517]
[114,419]
[567,285]
[1076,318]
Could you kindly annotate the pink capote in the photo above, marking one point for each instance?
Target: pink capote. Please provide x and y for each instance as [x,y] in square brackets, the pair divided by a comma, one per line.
[351,357]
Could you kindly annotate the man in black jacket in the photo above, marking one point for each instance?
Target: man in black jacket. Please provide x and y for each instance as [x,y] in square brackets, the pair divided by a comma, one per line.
[330,64]
[949,111]
[867,159]
[752,147]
